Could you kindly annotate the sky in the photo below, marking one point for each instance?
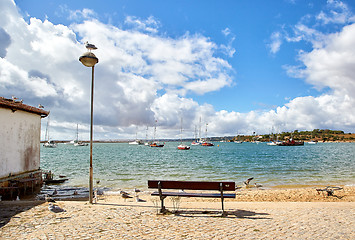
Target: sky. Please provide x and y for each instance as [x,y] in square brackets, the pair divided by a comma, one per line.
[239,66]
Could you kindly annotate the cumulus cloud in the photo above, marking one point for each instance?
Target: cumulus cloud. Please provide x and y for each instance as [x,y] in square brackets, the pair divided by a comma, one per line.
[142,77]
[135,69]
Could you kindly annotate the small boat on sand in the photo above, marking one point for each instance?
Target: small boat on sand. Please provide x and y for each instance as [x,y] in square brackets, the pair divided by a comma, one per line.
[48,178]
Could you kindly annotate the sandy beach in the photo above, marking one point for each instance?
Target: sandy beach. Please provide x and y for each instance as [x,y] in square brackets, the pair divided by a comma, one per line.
[299,213]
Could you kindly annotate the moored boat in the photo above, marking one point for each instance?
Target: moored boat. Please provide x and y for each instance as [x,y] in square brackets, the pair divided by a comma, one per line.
[183,147]
[156,144]
[136,142]
[291,142]
[207,144]
[50,144]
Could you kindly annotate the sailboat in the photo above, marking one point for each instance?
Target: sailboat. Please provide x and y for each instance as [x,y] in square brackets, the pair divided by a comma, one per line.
[198,141]
[156,144]
[205,143]
[182,146]
[49,143]
[78,143]
[136,142]
[312,142]
[146,138]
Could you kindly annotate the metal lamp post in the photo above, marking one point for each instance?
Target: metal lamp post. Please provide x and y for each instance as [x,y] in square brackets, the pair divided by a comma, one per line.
[89,59]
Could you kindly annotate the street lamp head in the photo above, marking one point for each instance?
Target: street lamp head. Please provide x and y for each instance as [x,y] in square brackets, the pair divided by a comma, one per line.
[88,59]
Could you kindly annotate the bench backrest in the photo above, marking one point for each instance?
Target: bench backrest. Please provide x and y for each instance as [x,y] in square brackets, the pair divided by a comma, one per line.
[191,185]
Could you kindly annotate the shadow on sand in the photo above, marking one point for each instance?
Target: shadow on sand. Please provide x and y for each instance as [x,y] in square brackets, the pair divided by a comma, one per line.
[9,209]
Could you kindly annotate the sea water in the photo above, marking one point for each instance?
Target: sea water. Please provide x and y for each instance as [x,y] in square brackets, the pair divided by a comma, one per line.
[124,166]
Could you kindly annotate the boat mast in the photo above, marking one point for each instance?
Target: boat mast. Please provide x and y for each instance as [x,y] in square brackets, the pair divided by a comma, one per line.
[47,131]
[199,132]
[181,131]
[146,134]
[155,129]
[77,132]
[206,132]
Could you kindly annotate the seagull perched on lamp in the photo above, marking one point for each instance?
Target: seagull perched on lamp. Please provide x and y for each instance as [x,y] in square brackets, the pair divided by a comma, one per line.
[90,46]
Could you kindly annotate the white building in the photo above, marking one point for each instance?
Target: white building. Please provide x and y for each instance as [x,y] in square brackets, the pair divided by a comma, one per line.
[20,130]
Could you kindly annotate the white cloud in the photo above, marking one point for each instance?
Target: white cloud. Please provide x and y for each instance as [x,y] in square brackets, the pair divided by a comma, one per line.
[338,12]
[149,25]
[276,41]
[142,76]
[41,66]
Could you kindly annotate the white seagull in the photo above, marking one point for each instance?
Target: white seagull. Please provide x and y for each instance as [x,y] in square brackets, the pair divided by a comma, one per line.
[47,198]
[55,208]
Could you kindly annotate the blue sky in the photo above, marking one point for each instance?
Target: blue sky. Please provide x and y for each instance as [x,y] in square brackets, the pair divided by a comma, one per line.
[242,66]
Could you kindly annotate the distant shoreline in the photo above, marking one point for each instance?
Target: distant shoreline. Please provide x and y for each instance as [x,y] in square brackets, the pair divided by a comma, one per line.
[177,140]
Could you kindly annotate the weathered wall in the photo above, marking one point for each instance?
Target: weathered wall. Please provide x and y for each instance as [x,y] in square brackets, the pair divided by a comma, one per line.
[19,142]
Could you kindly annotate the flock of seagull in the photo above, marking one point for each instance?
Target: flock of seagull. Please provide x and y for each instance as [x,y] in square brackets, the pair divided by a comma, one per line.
[125,195]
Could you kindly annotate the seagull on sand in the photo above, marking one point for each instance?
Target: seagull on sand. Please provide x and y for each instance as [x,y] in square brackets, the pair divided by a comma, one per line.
[139,200]
[248,181]
[55,208]
[136,191]
[47,198]
[124,195]
[257,185]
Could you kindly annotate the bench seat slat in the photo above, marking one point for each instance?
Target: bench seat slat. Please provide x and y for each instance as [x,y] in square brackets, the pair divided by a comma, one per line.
[192,185]
[185,194]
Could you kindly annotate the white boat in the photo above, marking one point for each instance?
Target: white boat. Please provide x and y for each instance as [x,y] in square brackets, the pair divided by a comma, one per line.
[78,143]
[49,143]
[198,138]
[136,142]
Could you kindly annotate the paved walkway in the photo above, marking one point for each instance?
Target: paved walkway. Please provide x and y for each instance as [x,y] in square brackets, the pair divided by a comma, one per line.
[129,220]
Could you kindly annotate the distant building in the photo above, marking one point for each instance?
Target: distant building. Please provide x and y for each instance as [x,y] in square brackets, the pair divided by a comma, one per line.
[20,132]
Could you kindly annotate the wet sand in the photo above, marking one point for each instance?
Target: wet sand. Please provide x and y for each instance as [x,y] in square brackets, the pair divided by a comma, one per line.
[254,214]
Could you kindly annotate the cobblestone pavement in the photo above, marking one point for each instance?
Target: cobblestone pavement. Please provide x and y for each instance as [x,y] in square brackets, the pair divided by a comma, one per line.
[246,220]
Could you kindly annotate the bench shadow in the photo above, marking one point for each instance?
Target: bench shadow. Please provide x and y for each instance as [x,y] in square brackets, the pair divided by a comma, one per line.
[228,214]
[186,212]
[9,209]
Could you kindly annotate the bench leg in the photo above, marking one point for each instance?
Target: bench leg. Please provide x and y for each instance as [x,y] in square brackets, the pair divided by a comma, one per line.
[222,200]
[162,209]
[223,212]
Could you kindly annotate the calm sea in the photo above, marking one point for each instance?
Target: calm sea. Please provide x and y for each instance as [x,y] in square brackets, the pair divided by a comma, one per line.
[120,165]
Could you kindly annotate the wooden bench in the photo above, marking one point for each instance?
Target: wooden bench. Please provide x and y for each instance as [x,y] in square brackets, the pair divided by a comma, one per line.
[221,187]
